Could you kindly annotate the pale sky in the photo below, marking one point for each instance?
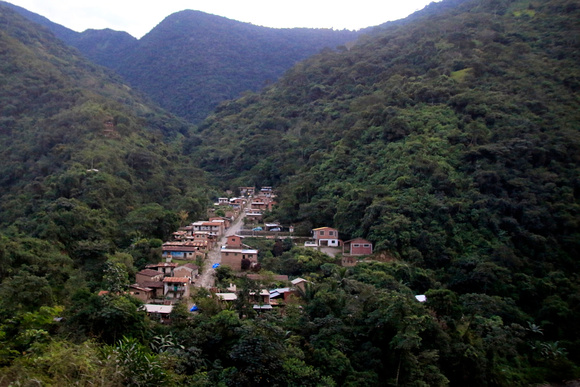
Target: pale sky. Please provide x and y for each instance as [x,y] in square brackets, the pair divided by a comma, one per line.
[138,17]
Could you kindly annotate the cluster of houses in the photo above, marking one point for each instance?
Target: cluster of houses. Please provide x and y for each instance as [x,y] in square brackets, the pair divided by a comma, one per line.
[351,249]
[162,284]
[259,202]
[267,299]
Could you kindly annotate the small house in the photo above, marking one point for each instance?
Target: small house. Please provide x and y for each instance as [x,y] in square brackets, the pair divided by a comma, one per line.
[357,246]
[148,275]
[326,236]
[188,270]
[176,287]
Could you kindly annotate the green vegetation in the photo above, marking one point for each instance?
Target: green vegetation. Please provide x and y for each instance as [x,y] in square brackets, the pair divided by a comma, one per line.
[449,140]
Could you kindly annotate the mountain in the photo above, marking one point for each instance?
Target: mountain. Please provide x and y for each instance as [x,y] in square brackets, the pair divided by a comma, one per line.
[82,154]
[192,61]
[450,142]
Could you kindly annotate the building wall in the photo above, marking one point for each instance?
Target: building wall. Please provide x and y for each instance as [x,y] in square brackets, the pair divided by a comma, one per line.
[326,233]
[233,260]
[185,272]
[361,249]
[140,294]
[328,242]
[139,278]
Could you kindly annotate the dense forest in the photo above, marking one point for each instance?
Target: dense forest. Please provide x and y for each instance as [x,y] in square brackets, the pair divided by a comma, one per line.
[192,60]
[450,140]
[86,165]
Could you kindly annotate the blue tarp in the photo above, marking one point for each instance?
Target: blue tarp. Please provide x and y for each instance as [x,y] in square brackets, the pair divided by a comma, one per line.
[193,308]
[215,265]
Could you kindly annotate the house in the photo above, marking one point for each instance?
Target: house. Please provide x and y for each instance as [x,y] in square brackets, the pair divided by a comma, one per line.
[357,246]
[281,295]
[299,283]
[181,235]
[166,268]
[238,202]
[206,237]
[159,312]
[263,298]
[227,296]
[188,270]
[216,228]
[326,236]
[148,275]
[253,216]
[234,252]
[262,203]
[156,289]
[227,221]
[233,213]
[143,293]
[176,287]
[247,191]
[184,250]
[266,192]
[233,257]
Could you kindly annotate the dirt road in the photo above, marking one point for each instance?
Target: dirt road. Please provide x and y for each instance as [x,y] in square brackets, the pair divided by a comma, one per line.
[207,279]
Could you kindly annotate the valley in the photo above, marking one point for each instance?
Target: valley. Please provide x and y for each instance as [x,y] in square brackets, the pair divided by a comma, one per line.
[438,155]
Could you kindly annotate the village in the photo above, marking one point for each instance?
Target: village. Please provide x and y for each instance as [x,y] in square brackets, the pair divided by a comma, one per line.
[191,258]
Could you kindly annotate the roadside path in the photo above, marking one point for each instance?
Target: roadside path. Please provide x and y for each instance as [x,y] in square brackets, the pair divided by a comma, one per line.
[207,278]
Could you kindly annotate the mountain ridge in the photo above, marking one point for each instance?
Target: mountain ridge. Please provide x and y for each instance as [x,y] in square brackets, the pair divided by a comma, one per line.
[191,61]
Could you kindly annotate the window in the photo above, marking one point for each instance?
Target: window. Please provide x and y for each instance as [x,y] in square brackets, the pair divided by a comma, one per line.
[321,233]
[356,245]
[331,233]
[367,245]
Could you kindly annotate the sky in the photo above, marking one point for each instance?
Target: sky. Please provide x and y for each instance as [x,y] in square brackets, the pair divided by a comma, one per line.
[138,17]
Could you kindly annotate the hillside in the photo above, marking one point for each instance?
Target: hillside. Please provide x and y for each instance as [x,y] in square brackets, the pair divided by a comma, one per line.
[450,142]
[79,146]
[192,61]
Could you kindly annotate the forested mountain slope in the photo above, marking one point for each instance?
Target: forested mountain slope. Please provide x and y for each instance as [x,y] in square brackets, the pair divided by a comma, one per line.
[192,61]
[81,153]
[451,142]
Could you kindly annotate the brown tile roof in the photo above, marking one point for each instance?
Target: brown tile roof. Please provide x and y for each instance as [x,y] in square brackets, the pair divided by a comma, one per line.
[152,284]
[139,287]
[149,272]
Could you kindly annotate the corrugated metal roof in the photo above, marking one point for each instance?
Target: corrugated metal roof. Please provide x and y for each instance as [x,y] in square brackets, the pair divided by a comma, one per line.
[153,308]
